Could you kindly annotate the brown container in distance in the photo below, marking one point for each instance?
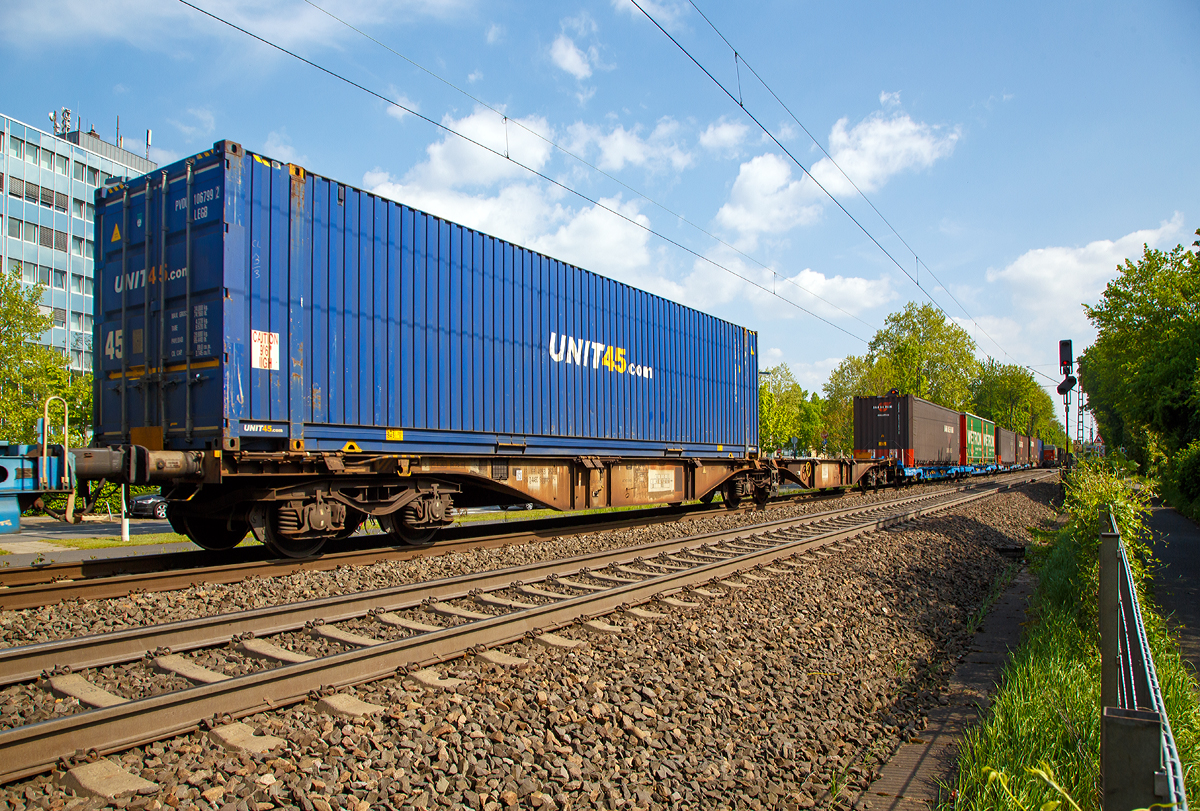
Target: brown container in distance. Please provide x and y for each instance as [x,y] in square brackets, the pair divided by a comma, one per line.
[905,427]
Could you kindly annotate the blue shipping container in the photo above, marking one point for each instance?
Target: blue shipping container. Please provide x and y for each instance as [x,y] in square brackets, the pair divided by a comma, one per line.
[247,304]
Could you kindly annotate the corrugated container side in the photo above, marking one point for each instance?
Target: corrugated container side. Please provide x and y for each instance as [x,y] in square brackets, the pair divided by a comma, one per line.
[913,430]
[323,315]
[934,433]
[1006,446]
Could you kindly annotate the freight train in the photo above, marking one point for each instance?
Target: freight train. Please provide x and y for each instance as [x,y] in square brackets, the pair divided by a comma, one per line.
[287,355]
[929,441]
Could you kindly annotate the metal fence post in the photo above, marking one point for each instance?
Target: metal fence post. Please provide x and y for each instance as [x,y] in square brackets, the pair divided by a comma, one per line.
[1128,766]
[1108,610]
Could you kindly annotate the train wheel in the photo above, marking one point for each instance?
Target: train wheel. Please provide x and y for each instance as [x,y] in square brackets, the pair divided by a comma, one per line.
[708,497]
[213,534]
[731,498]
[407,534]
[354,520]
[265,523]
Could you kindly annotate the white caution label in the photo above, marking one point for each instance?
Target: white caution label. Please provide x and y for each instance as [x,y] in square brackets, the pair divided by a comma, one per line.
[660,481]
[264,350]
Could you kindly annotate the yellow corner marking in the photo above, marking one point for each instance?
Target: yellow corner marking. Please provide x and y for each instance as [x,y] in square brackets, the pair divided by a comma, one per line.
[395,434]
[720,448]
[116,234]
[351,447]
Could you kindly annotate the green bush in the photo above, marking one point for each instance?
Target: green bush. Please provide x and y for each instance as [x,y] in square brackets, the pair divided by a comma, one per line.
[1183,480]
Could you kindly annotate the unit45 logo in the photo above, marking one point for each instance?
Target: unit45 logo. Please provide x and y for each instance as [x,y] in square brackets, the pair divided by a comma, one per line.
[581,352]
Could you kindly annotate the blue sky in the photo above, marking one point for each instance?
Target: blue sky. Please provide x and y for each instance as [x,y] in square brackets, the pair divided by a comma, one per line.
[1021,150]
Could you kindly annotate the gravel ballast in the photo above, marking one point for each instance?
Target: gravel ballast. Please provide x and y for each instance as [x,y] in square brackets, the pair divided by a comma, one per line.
[765,697]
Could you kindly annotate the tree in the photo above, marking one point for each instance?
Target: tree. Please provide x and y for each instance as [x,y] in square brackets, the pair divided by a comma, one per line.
[854,377]
[31,372]
[931,356]
[1142,375]
[1010,396]
[786,412]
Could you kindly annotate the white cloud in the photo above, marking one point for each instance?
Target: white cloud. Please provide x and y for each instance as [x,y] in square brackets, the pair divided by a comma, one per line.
[888,100]
[399,113]
[155,25]
[1046,286]
[767,199]
[567,56]
[454,162]
[878,147]
[723,135]
[202,123]
[279,146]
[619,146]
[163,156]
[665,11]
[474,76]
[495,33]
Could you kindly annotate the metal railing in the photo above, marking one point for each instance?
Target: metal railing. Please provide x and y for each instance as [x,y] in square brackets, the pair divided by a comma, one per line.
[1139,761]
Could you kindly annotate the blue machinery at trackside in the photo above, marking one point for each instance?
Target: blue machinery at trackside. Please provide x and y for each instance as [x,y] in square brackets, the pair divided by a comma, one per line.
[29,472]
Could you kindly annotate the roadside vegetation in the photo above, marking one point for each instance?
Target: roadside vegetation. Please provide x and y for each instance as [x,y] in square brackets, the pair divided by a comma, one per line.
[1046,716]
[1142,375]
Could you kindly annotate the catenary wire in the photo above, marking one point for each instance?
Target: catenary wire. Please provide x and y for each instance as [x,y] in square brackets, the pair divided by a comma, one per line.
[527,168]
[740,58]
[803,168]
[587,163]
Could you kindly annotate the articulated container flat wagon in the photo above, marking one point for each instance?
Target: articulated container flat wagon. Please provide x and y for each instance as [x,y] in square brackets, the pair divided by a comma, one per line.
[289,355]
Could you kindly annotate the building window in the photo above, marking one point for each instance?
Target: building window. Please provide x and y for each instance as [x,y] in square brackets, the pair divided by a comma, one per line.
[77,208]
[14,228]
[47,159]
[58,279]
[76,279]
[77,172]
[32,192]
[60,164]
[47,237]
[31,154]
[43,275]
[60,241]
[89,212]
[87,361]
[47,197]
[31,232]
[16,186]
[60,201]
[60,317]
[93,176]
[15,147]
[77,246]
[77,321]
[87,322]
[87,285]
[14,267]
[77,358]
[87,249]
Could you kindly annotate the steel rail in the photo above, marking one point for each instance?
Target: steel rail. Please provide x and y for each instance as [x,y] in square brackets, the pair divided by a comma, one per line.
[37,586]
[26,662]
[32,749]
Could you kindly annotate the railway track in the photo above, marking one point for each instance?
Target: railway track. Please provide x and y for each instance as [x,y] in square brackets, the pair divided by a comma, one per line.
[409,629]
[48,584]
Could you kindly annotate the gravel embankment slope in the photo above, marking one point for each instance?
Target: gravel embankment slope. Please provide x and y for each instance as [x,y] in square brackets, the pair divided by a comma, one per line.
[759,699]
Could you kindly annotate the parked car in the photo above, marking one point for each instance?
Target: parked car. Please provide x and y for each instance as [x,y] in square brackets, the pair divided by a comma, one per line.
[151,505]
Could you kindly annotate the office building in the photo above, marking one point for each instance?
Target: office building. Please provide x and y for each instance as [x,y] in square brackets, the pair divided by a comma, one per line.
[47,211]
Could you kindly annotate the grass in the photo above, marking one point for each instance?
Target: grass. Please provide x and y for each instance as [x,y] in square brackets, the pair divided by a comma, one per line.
[1046,716]
[104,543]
